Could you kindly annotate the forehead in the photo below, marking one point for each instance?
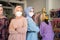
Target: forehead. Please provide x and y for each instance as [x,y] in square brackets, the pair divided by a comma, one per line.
[18,7]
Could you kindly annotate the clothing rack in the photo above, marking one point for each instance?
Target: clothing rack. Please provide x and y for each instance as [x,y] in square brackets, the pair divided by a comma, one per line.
[55,16]
[55,13]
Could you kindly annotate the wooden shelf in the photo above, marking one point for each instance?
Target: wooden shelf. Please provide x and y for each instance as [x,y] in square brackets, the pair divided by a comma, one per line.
[7,7]
[12,1]
[10,4]
[57,29]
[4,0]
[21,2]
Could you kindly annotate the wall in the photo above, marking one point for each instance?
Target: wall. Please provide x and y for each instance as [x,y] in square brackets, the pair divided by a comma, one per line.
[37,4]
[56,4]
[52,4]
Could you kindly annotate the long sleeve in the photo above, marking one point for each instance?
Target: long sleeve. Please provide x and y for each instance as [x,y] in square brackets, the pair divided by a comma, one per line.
[24,28]
[11,28]
[32,26]
[41,29]
[6,23]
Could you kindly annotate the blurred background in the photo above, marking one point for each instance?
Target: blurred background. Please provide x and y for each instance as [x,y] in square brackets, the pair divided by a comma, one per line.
[52,9]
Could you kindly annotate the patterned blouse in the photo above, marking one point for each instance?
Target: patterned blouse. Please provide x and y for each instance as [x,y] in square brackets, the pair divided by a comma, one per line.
[3,28]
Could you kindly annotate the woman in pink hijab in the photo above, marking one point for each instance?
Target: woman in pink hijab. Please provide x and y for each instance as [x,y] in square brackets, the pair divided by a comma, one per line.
[18,25]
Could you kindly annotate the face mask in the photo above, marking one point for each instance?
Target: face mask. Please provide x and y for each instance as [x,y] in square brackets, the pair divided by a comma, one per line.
[18,14]
[31,14]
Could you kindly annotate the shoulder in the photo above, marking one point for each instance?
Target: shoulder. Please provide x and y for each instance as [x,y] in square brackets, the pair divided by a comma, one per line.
[24,18]
[12,20]
[42,23]
[50,23]
[28,18]
[5,18]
